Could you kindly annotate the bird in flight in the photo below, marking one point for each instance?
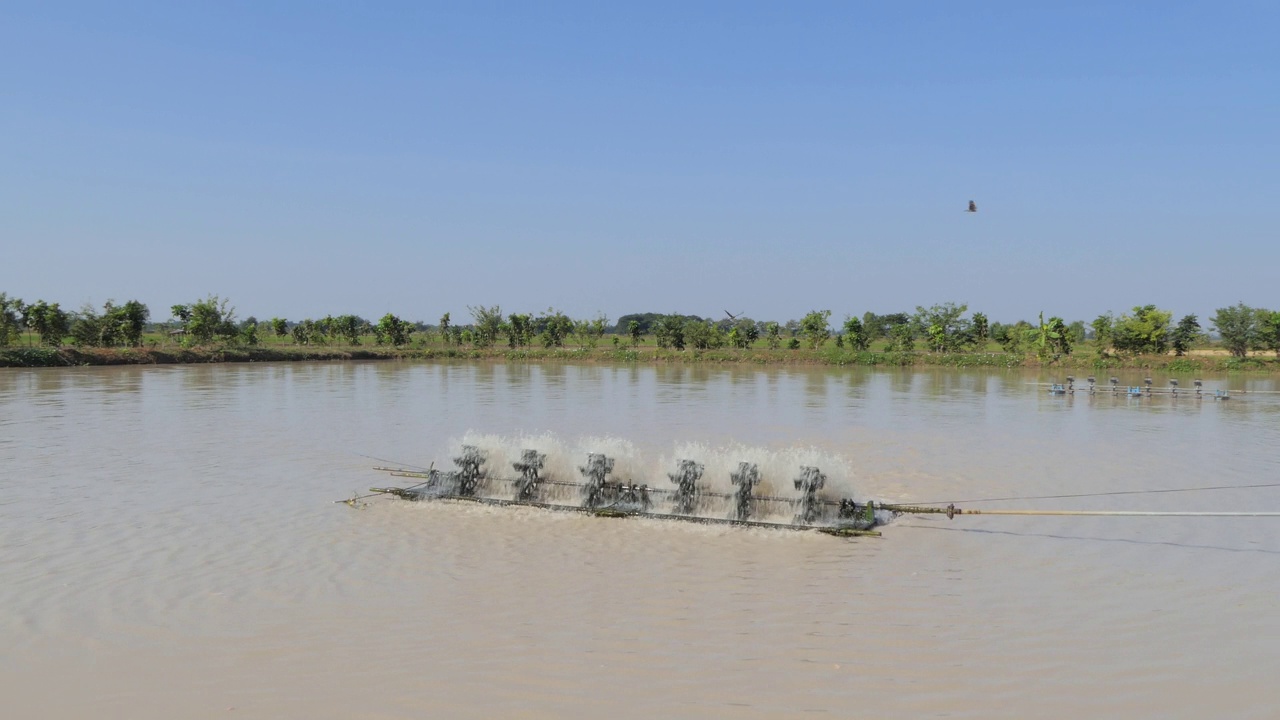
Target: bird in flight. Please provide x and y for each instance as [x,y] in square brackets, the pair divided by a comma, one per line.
[973,207]
[731,315]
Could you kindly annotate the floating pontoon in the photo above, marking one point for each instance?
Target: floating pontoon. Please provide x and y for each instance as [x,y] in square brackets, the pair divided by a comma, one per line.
[1135,391]
[599,495]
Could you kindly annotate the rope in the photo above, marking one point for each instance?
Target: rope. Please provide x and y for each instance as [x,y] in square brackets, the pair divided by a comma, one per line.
[1102,513]
[406,465]
[1105,494]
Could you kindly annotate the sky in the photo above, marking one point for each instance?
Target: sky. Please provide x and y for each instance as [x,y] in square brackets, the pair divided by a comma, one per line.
[313,158]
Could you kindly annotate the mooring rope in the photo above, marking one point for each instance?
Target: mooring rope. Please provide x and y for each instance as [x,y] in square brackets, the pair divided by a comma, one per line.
[1104,494]
[404,465]
[951,511]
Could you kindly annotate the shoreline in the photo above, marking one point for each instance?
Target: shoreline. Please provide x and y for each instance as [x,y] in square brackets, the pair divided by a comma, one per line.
[28,357]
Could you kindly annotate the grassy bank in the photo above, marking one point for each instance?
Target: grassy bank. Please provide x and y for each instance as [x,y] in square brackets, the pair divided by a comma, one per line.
[1083,362]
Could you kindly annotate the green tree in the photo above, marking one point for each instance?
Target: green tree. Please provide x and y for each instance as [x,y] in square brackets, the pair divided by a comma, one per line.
[320,330]
[647,322]
[735,338]
[393,331]
[130,320]
[326,328]
[487,324]
[444,328]
[1062,336]
[633,329]
[1146,331]
[116,326]
[1269,329]
[703,335]
[248,334]
[902,338]
[590,331]
[669,331]
[1010,338]
[519,329]
[347,328]
[94,330]
[742,334]
[1076,332]
[11,310]
[1103,331]
[1238,326]
[302,333]
[49,321]
[88,328]
[815,327]
[855,334]
[210,319]
[773,335]
[1185,334]
[698,334]
[981,329]
[872,325]
[280,327]
[881,326]
[1051,338]
[555,328]
[944,327]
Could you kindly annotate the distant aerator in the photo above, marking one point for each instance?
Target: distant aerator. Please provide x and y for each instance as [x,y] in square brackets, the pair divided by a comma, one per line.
[973,207]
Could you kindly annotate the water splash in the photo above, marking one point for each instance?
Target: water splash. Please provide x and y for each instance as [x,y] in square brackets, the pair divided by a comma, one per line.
[596,472]
[686,479]
[809,483]
[803,485]
[745,479]
[530,468]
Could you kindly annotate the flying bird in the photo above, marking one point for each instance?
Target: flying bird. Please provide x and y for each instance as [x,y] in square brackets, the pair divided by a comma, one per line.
[732,316]
[973,207]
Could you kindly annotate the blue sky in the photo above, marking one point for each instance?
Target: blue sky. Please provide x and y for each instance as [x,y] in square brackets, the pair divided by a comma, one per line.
[317,158]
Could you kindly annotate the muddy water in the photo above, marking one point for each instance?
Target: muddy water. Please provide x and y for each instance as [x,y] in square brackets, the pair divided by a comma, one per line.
[169,548]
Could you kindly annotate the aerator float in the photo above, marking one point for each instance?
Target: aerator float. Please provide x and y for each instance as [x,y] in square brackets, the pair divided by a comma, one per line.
[601,495]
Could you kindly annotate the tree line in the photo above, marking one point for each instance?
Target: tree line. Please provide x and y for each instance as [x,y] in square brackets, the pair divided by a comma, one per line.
[942,328]
[203,322]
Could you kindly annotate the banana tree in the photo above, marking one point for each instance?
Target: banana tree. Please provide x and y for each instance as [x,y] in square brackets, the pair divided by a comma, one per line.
[1050,337]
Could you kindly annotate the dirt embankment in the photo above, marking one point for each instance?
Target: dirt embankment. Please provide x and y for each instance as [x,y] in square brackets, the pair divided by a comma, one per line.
[1198,361]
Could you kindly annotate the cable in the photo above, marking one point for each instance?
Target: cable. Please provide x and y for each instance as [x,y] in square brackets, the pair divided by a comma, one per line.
[1104,494]
[397,462]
